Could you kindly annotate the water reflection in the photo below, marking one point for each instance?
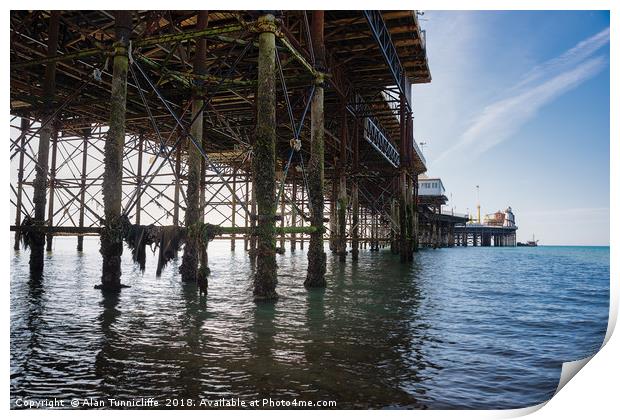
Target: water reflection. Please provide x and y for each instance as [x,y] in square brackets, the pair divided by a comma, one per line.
[108,368]
[29,338]
[191,323]
[442,332]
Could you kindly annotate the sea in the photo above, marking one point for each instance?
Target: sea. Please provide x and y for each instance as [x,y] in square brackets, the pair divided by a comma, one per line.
[459,328]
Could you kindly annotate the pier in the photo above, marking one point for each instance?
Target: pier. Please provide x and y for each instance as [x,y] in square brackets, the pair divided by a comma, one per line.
[283,129]
[497,229]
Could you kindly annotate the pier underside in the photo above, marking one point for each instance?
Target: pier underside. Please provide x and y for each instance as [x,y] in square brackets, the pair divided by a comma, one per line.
[273,127]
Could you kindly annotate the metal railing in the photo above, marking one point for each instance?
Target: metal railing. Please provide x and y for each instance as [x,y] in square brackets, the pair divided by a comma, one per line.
[377,139]
[418,151]
[382,35]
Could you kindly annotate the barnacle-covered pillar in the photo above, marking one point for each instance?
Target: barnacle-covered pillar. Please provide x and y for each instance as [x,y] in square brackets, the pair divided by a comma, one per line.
[37,239]
[193,213]
[316,254]
[263,162]
[112,235]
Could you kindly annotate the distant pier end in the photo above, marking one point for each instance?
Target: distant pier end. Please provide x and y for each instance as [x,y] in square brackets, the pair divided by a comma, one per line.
[497,229]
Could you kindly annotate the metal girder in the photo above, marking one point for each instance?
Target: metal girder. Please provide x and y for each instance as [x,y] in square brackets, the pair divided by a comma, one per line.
[373,132]
[382,35]
[377,139]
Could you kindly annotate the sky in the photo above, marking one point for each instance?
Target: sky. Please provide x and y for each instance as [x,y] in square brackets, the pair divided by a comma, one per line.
[519,105]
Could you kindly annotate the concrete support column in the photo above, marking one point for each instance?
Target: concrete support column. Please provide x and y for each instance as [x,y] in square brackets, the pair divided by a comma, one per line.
[40,180]
[265,277]
[111,238]
[316,254]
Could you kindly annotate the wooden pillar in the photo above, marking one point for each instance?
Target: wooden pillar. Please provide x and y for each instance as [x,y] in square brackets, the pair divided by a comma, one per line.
[40,180]
[316,255]
[111,237]
[265,277]
[194,213]
[24,126]
[80,238]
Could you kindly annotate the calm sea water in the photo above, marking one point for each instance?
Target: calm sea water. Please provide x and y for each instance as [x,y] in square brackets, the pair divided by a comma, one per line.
[459,328]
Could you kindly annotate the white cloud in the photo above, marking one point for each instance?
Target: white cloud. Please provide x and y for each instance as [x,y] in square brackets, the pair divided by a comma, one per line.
[502,118]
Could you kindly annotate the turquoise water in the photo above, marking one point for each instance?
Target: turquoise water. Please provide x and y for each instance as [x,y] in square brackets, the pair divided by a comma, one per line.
[458,328]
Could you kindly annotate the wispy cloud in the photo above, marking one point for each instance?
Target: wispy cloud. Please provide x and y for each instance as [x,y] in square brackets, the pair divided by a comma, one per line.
[501,119]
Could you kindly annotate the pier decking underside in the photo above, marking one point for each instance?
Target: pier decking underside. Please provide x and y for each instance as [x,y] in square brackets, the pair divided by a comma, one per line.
[230,83]
[369,62]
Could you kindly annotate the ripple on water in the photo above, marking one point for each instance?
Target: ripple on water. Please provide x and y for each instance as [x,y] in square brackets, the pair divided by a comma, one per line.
[469,328]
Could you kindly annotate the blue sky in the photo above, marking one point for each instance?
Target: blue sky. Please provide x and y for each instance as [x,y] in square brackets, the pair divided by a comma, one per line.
[519,104]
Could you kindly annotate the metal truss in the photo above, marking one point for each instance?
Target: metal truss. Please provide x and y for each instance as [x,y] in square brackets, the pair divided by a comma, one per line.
[382,35]
[377,139]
